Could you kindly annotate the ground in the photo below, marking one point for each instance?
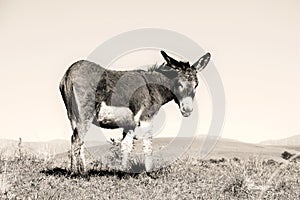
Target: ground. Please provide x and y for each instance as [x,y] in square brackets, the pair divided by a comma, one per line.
[31,177]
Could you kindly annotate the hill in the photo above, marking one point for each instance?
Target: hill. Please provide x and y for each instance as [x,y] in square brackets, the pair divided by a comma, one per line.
[290,141]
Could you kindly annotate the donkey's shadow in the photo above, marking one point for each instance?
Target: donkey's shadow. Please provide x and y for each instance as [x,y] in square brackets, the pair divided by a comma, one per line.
[61,172]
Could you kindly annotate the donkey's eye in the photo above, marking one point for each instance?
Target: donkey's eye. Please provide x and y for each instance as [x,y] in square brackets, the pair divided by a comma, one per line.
[180,85]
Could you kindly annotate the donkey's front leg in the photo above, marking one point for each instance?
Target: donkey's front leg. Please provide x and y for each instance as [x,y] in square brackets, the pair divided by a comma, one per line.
[147,148]
[147,132]
[126,148]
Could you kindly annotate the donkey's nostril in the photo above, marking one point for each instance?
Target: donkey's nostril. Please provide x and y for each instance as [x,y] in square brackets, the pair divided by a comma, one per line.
[187,109]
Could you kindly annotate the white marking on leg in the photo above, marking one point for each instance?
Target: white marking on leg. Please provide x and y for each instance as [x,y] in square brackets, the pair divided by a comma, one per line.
[126,148]
[147,149]
[145,131]
[147,145]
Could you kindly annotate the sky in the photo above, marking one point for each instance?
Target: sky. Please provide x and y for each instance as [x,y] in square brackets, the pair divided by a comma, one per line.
[255,46]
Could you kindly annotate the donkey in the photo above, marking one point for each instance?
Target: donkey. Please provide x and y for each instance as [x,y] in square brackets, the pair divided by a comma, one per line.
[125,99]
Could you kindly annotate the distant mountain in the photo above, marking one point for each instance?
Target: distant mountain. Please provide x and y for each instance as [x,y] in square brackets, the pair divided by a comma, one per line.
[221,147]
[163,147]
[290,141]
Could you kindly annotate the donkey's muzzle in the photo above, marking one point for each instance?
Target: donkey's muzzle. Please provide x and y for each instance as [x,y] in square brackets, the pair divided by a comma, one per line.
[186,112]
[186,106]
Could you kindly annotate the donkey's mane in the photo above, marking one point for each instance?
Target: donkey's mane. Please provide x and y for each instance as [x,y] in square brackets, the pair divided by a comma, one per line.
[163,69]
[185,66]
[155,67]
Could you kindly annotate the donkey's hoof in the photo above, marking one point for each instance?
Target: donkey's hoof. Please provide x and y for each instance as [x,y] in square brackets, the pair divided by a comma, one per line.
[82,171]
[148,164]
[78,170]
[149,167]
[124,166]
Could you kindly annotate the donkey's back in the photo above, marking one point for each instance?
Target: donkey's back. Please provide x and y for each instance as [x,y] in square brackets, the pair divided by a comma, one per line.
[86,85]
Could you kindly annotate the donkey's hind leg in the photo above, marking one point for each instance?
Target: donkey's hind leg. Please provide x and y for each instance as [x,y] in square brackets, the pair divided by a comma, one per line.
[78,164]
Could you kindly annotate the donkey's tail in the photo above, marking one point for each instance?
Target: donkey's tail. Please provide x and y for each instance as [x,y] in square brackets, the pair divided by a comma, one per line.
[67,93]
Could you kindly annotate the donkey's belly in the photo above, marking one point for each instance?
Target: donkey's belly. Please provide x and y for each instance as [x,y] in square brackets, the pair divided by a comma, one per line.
[115,117]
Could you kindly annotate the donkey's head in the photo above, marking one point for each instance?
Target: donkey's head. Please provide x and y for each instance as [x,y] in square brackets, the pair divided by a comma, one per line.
[185,80]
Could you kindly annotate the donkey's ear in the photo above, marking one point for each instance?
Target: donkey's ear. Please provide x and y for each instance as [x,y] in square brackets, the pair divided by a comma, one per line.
[200,64]
[170,61]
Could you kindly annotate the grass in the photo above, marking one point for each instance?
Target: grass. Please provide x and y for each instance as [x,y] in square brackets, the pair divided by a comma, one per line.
[31,177]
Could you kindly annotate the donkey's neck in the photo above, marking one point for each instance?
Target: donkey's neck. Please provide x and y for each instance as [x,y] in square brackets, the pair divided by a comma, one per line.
[160,87]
